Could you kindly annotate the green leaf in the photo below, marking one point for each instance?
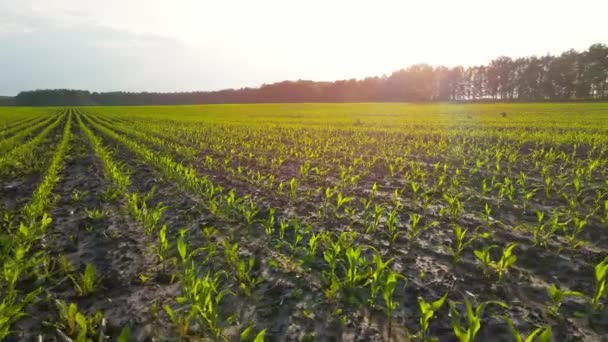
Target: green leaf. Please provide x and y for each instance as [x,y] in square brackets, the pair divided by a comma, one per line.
[546,335]
[125,334]
[436,305]
[553,292]
[81,320]
[169,312]
[462,335]
[481,255]
[260,336]
[601,269]
[246,333]
[509,249]
[573,293]
[532,335]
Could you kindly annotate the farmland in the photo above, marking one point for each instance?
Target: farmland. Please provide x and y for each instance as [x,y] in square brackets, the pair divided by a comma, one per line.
[305,222]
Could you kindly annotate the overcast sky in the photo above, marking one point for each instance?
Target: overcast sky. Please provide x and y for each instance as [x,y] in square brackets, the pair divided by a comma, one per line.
[151,45]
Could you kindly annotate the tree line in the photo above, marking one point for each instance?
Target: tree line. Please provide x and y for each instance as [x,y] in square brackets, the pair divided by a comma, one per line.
[571,76]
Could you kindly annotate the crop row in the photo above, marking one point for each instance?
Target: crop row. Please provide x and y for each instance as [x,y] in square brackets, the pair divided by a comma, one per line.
[17,156]
[22,255]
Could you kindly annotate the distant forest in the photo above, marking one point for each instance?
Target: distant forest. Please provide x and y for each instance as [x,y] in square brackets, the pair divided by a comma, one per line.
[571,76]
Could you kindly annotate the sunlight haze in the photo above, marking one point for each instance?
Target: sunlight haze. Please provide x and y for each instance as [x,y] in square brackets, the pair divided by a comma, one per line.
[208,45]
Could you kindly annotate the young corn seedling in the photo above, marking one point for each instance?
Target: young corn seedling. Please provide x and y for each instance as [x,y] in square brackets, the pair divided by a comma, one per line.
[521,180]
[243,269]
[558,295]
[111,194]
[484,257]
[86,282]
[187,256]
[149,217]
[544,333]
[415,187]
[95,214]
[509,189]
[396,200]
[475,169]
[7,220]
[355,268]
[298,236]
[372,226]
[392,226]
[205,297]
[270,222]
[332,288]
[249,210]
[209,233]
[579,225]
[455,206]
[77,195]
[231,203]
[468,332]
[71,321]
[500,194]
[501,265]
[460,242]
[415,229]
[331,255]
[283,225]
[601,273]
[212,190]
[377,276]
[181,320]
[320,172]
[341,200]
[163,244]
[543,231]
[527,198]
[367,202]
[313,243]
[66,265]
[293,188]
[304,169]
[485,189]
[388,290]
[507,259]
[549,183]
[486,215]
[350,213]
[259,179]
[427,312]
[243,273]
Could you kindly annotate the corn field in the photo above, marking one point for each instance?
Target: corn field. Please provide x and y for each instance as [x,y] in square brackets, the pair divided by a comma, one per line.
[305,222]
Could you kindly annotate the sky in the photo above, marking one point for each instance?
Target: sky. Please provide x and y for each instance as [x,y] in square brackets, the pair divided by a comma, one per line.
[184,45]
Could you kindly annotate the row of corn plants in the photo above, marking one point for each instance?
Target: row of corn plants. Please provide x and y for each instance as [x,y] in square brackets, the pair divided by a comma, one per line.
[25,152]
[202,293]
[23,256]
[9,143]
